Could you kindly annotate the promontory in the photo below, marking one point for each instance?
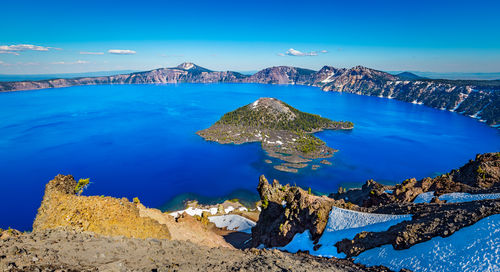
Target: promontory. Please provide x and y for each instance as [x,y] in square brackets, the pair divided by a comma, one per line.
[285,132]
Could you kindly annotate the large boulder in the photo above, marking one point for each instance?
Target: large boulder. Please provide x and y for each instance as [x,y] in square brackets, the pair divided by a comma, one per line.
[286,211]
[62,208]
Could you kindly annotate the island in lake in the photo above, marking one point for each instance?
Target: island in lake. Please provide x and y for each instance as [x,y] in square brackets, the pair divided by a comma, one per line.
[285,132]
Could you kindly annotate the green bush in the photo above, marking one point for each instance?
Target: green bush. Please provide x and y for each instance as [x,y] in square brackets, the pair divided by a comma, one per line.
[81,185]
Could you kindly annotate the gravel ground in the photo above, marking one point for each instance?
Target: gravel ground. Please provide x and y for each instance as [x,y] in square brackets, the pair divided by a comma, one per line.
[61,250]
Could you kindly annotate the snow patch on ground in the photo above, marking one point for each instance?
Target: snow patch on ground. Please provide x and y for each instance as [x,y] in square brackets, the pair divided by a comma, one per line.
[229,209]
[454,197]
[254,104]
[233,222]
[194,211]
[342,224]
[424,197]
[197,211]
[473,248]
[465,197]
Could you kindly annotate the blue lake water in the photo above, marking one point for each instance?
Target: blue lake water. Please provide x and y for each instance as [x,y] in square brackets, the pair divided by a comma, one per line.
[139,140]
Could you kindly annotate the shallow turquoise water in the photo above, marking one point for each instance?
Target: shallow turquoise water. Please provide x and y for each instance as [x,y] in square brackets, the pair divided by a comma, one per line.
[139,140]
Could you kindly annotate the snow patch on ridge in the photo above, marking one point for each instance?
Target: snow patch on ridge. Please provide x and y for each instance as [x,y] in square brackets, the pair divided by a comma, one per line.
[473,248]
[454,197]
[342,224]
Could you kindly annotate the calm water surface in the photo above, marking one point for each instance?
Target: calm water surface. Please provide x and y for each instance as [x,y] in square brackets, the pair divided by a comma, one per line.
[139,140]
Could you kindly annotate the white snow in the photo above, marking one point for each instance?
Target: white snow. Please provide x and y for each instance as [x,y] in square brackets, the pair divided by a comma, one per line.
[283,203]
[473,248]
[197,211]
[188,66]
[342,224]
[194,211]
[233,222]
[465,197]
[229,209]
[243,209]
[279,142]
[424,197]
[454,197]
[254,104]
[328,79]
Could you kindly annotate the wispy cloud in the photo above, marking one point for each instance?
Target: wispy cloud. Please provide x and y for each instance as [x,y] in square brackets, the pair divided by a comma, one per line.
[297,53]
[75,62]
[23,47]
[91,53]
[9,52]
[121,51]
[14,49]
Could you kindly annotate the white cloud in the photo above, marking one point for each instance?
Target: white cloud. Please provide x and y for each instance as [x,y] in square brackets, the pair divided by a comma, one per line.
[23,47]
[121,51]
[9,52]
[75,62]
[294,52]
[91,53]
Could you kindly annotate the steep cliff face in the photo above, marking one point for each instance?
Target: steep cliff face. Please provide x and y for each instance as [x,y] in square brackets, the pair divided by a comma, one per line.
[286,211]
[475,98]
[283,75]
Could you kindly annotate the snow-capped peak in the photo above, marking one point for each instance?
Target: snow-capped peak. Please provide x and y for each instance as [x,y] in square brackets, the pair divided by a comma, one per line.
[186,65]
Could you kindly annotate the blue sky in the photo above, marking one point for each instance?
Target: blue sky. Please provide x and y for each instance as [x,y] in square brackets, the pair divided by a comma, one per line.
[438,36]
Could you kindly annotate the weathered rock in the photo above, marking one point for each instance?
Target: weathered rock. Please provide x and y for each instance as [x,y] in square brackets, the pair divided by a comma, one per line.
[287,211]
[62,208]
[481,175]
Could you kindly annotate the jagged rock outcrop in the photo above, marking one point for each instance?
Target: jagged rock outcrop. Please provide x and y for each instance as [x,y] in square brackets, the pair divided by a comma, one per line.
[290,210]
[62,208]
[477,176]
[287,211]
[479,99]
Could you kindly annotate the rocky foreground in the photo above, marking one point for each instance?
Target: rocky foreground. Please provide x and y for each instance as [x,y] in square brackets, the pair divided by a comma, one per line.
[478,99]
[67,250]
[94,233]
[289,210]
[284,132]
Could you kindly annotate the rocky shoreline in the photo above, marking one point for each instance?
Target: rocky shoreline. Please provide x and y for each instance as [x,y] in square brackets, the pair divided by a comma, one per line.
[478,99]
[284,132]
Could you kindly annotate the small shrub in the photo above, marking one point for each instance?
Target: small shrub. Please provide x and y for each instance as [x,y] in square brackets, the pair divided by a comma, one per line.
[265,203]
[136,200]
[81,185]
[309,191]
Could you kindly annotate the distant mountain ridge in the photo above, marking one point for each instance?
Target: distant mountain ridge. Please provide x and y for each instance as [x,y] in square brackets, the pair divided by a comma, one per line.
[479,99]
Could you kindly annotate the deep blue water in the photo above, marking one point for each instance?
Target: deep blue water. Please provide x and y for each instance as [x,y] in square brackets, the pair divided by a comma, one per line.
[139,140]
